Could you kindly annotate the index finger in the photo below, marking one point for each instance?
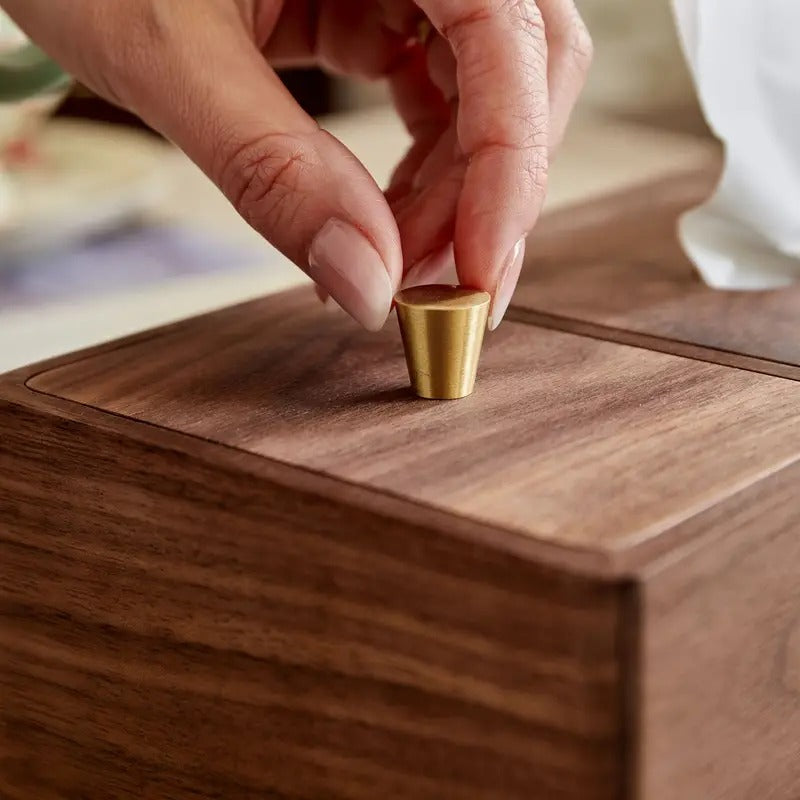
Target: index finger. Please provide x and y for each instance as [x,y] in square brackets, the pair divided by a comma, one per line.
[501,54]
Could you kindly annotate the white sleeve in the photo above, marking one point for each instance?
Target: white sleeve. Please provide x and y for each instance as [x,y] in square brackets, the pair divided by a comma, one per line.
[744,58]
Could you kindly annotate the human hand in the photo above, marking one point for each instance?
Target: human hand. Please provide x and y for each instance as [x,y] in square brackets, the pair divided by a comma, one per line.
[486,98]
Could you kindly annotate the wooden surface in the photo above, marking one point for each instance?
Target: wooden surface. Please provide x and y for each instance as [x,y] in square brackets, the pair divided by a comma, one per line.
[617,266]
[720,703]
[176,628]
[636,435]
[238,559]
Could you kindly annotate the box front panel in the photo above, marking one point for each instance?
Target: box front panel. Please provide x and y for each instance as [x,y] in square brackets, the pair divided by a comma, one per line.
[172,628]
[720,666]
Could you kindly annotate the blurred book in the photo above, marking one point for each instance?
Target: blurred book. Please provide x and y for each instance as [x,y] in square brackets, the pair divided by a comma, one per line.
[113,262]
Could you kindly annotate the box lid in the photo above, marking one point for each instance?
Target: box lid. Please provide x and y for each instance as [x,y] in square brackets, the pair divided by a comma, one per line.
[584,444]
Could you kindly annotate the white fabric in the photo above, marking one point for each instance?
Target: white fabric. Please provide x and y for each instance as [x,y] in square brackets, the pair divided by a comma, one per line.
[745,58]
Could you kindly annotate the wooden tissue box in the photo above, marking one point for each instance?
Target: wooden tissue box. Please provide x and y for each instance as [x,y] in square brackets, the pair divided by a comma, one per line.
[239,560]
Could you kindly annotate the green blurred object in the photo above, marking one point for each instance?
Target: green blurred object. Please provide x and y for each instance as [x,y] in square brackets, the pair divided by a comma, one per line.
[27,72]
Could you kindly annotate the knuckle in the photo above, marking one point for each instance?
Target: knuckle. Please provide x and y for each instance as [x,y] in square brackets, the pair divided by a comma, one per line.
[264,180]
[522,15]
[460,27]
[530,172]
[531,166]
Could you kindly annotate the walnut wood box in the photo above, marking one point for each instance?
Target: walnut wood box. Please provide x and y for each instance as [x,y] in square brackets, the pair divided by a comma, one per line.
[239,560]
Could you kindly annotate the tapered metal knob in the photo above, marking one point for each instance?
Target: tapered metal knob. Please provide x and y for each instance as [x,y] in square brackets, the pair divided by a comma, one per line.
[442,329]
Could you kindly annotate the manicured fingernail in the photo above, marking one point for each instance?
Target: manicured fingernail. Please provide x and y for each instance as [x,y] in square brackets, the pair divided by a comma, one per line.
[344,263]
[506,285]
[430,269]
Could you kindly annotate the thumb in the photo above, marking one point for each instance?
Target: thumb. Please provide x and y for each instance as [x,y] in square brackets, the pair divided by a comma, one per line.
[195,74]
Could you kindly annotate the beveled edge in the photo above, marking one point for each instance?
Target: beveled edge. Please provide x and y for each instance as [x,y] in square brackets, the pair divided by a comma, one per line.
[630,562]
[442,297]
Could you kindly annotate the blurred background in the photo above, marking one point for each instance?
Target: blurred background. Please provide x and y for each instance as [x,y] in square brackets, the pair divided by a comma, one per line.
[106,230]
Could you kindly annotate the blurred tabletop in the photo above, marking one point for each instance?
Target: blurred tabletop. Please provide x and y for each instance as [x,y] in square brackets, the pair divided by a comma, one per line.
[600,155]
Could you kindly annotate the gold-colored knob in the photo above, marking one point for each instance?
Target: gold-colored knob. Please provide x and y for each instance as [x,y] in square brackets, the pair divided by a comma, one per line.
[442,329]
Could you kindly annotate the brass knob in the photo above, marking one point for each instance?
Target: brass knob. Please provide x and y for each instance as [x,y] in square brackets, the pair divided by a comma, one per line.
[442,329]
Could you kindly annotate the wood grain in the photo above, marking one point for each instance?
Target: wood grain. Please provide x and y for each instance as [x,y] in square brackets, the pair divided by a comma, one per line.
[635,435]
[720,669]
[238,559]
[171,628]
[616,264]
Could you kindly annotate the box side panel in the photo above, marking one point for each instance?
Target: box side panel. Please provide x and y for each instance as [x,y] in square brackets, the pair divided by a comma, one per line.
[721,656]
[614,268]
[174,629]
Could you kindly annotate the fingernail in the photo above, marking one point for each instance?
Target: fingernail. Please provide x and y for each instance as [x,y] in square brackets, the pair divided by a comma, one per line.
[430,269]
[344,263]
[506,285]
